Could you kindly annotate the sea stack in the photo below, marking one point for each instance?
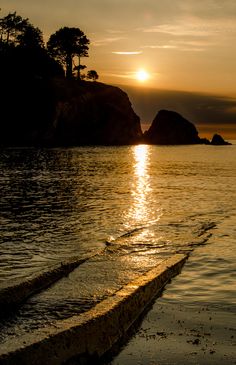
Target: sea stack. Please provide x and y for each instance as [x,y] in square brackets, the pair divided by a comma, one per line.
[217,140]
[170,128]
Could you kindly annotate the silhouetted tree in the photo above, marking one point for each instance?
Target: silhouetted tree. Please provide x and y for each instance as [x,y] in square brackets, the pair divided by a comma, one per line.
[78,70]
[31,37]
[92,75]
[67,43]
[22,51]
[26,72]
[16,31]
[11,26]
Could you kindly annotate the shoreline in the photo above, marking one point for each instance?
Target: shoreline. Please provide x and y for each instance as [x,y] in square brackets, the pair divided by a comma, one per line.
[176,334]
[93,333]
[185,327]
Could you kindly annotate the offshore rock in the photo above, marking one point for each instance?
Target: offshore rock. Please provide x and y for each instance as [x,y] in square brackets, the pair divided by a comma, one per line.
[217,140]
[170,128]
[92,113]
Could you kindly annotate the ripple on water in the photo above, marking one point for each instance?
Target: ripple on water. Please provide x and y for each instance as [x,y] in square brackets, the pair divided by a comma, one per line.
[154,201]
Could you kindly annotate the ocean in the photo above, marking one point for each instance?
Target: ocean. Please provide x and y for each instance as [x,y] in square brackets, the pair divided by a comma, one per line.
[147,202]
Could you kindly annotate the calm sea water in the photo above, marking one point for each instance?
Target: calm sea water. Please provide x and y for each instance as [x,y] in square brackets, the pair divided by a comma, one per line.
[61,203]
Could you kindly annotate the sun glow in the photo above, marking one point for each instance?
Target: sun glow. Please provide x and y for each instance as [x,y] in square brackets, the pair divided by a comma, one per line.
[142,75]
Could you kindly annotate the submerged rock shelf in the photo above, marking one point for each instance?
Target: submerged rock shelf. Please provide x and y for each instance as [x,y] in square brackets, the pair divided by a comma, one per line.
[90,283]
[13,295]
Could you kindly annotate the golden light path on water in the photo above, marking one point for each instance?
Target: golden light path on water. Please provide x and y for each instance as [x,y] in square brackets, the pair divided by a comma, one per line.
[141,186]
[141,212]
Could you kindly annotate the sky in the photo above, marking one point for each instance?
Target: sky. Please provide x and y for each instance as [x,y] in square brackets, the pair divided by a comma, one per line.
[186,47]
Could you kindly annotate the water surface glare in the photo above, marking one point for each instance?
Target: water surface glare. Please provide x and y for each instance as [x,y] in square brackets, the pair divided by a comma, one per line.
[150,201]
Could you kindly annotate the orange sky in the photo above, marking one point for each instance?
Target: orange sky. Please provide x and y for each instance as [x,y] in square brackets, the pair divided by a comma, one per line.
[184,45]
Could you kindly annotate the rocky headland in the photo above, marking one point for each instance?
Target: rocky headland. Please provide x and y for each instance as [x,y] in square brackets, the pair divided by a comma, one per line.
[92,113]
[61,112]
[68,113]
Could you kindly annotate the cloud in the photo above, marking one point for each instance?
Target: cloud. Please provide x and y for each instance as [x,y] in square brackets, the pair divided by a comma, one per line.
[183,47]
[126,75]
[115,31]
[164,46]
[210,9]
[128,53]
[193,45]
[196,43]
[193,26]
[200,108]
[106,41]
[182,30]
[232,110]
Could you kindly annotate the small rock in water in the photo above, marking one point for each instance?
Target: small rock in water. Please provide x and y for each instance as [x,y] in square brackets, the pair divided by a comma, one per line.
[217,140]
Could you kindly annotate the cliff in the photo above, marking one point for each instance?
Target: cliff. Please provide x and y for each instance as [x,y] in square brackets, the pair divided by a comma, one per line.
[60,112]
[170,128]
[64,112]
[91,113]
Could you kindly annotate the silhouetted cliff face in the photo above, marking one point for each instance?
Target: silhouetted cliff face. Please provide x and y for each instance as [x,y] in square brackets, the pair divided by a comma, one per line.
[67,112]
[171,128]
[91,113]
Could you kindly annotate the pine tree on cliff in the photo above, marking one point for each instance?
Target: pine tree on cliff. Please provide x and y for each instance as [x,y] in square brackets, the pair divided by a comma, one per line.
[11,26]
[17,31]
[67,43]
[22,51]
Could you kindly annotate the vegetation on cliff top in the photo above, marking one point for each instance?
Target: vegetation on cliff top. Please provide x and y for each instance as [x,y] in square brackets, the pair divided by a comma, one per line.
[23,50]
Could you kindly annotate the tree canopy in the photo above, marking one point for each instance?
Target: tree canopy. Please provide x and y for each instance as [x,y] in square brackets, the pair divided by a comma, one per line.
[32,38]
[31,76]
[65,44]
[23,53]
[16,31]
[92,75]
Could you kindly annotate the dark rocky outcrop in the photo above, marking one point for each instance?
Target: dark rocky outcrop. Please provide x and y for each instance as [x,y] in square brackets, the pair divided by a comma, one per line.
[217,140]
[91,113]
[64,112]
[44,111]
[170,128]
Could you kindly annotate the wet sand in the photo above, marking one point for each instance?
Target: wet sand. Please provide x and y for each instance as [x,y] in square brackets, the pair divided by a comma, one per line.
[177,334]
[194,322]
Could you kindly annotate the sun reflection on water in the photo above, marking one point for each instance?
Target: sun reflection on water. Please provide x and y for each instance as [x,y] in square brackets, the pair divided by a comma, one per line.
[143,214]
[141,156]
[141,187]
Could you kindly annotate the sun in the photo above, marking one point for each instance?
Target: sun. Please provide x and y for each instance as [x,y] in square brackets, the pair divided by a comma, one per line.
[142,75]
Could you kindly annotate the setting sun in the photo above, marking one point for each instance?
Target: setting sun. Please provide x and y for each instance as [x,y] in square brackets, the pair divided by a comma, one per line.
[142,75]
